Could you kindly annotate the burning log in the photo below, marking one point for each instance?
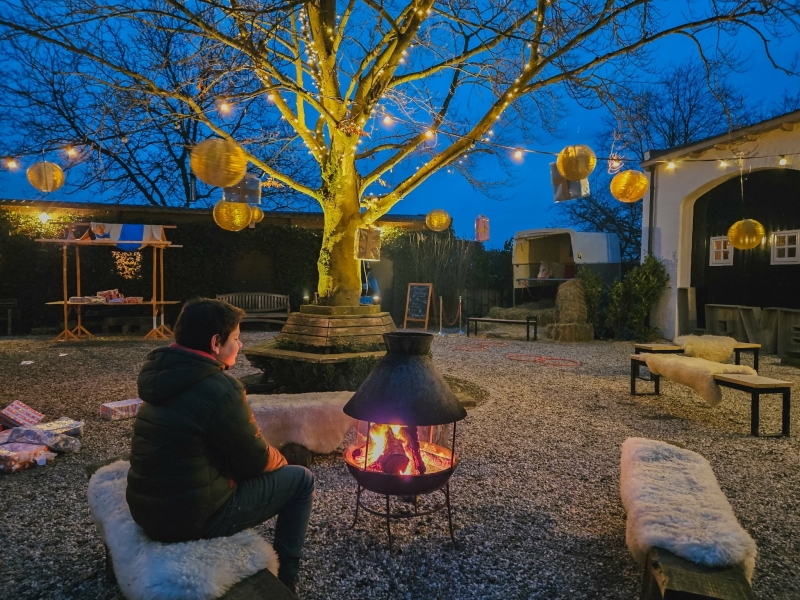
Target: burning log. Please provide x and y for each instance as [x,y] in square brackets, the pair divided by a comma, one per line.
[394,459]
[412,439]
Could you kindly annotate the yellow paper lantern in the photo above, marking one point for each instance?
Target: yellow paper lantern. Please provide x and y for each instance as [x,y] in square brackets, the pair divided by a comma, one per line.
[438,220]
[746,234]
[629,186]
[219,162]
[232,216]
[257,215]
[45,176]
[576,162]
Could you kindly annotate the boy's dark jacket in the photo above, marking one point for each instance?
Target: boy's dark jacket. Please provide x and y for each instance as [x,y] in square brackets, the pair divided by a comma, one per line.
[193,438]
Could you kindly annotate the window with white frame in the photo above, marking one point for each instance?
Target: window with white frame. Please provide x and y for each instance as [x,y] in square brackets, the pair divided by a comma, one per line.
[721,252]
[785,247]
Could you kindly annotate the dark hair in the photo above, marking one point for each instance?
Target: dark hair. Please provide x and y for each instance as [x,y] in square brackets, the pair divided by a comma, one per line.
[203,318]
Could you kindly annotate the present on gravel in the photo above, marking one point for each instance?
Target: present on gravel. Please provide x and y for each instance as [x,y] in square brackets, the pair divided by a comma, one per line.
[15,456]
[64,426]
[121,409]
[18,414]
[56,442]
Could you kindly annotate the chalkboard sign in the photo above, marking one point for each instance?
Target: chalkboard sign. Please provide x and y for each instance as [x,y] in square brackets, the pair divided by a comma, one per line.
[418,303]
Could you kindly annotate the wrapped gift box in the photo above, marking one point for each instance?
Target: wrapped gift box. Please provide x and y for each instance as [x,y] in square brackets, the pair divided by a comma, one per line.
[121,409]
[64,425]
[16,456]
[18,414]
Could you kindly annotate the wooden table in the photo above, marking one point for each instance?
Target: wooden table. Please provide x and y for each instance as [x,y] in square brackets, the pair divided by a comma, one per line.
[157,332]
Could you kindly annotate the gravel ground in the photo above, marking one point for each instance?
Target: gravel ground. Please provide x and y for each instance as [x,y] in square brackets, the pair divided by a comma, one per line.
[536,497]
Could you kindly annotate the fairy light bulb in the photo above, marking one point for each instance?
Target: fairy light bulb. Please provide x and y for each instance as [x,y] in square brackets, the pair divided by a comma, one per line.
[11,163]
[44,217]
[723,163]
[783,162]
[387,120]
[670,165]
[428,134]
[518,155]
[71,151]
[225,108]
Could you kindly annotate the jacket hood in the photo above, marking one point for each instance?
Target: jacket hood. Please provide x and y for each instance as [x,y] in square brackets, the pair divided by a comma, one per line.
[169,371]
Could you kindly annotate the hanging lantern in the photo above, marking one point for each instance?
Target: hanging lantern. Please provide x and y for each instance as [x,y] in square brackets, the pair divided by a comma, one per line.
[746,234]
[218,162]
[438,220]
[45,176]
[257,215]
[481,229]
[248,190]
[576,162]
[629,186]
[232,216]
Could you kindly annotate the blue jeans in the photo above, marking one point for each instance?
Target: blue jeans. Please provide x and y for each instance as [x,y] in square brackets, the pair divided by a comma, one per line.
[287,492]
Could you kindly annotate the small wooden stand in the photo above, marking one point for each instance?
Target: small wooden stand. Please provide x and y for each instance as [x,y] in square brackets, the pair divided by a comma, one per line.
[159,331]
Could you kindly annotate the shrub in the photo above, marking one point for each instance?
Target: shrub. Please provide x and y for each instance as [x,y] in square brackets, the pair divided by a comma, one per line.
[593,294]
[630,300]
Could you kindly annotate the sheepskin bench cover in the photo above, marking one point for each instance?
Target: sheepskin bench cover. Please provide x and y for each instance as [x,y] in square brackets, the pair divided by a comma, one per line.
[148,570]
[697,373]
[716,348]
[673,502]
[314,420]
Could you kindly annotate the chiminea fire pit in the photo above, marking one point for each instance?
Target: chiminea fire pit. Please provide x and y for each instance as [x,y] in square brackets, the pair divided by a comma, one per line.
[406,430]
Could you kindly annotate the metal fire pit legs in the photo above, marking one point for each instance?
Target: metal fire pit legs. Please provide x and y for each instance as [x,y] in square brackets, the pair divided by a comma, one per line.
[389,515]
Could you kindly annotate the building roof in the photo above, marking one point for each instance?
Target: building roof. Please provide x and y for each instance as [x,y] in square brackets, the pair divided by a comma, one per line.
[787,122]
[307,219]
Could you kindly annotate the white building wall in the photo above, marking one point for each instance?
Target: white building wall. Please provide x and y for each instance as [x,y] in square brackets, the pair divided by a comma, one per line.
[675,192]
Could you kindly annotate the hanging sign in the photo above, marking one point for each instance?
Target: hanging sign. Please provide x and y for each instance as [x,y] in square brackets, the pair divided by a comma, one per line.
[418,303]
[564,189]
[368,243]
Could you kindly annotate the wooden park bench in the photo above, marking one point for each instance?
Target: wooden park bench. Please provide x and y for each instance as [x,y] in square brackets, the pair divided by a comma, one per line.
[666,492]
[262,585]
[9,309]
[753,384]
[528,321]
[260,307]
[738,349]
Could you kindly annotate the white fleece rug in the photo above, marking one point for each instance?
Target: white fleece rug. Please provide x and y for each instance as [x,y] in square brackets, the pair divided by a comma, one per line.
[673,502]
[697,373]
[717,348]
[148,570]
[314,420]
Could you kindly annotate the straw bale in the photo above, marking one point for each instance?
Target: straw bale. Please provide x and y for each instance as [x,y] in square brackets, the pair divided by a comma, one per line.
[570,302]
[571,332]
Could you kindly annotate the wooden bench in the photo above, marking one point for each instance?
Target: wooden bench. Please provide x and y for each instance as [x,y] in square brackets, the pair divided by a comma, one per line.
[9,309]
[756,385]
[527,322]
[673,349]
[260,586]
[260,307]
[667,491]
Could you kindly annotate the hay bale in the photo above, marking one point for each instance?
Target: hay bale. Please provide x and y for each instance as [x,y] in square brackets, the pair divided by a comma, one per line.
[571,332]
[571,303]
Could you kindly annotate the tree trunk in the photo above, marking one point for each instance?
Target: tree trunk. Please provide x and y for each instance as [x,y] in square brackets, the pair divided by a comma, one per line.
[339,274]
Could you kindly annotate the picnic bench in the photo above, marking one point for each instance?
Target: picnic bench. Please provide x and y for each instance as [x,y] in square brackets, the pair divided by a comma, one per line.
[755,385]
[674,349]
[9,308]
[260,307]
[528,321]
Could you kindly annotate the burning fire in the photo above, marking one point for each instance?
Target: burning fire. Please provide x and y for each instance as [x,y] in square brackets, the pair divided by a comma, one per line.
[397,450]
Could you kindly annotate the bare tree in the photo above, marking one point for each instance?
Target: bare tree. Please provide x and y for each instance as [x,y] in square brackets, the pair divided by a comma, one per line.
[446,73]
[684,105]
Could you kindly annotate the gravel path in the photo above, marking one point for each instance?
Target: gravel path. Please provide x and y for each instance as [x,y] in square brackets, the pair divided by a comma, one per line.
[536,497]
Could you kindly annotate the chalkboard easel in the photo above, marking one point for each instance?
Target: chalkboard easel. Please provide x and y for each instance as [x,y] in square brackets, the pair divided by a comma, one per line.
[418,303]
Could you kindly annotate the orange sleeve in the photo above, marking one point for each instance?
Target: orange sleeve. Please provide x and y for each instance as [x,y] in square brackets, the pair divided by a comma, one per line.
[276,460]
